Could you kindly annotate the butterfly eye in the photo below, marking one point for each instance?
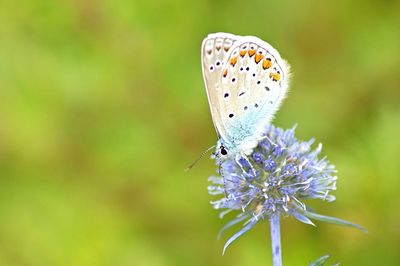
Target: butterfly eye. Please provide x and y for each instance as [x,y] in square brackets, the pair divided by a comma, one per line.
[223,151]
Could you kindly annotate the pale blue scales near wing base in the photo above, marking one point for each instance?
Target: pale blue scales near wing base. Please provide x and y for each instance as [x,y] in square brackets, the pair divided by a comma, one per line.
[246,80]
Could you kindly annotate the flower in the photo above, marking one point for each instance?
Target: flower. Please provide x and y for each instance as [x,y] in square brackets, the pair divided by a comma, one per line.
[276,178]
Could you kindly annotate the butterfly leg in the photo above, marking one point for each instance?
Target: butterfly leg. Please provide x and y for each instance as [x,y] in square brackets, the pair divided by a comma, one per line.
[221,173]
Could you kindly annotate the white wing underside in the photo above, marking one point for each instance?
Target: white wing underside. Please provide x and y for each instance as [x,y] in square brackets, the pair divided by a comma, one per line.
[246,81]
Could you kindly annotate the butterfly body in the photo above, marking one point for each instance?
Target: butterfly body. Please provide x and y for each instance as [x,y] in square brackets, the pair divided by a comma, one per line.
[246,81]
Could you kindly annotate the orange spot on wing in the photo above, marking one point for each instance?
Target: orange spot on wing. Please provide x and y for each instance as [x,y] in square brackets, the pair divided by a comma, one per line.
[225,73]
[258,58]
[267,64]
[233,61]
[252,52]
[242,53]
[275,76]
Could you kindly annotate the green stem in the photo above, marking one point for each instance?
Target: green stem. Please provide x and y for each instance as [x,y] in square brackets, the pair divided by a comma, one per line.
[274,222]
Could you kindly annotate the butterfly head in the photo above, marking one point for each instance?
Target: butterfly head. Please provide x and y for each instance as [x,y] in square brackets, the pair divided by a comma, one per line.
[229,149]
[223,151]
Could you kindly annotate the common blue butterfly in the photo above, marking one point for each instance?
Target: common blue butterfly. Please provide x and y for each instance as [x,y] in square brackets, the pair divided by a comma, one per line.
[246,80]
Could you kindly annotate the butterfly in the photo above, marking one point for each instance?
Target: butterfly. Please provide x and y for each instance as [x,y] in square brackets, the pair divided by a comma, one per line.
[246,80]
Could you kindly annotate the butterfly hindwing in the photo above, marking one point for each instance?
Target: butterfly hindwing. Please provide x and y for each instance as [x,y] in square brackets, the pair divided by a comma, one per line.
[247,92]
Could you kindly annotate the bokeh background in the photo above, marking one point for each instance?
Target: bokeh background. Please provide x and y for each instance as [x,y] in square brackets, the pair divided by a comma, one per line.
[102,106]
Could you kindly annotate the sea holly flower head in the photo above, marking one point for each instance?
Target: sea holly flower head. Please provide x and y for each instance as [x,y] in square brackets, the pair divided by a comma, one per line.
[275,179]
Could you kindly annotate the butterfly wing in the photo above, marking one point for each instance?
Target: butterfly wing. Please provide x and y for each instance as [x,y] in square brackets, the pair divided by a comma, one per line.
[215,51]
[247,92]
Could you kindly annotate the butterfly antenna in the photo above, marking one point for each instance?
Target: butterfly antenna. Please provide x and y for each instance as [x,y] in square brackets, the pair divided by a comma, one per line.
[198,159]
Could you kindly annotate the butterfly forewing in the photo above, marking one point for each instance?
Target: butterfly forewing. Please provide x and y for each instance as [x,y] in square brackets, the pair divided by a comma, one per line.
[216,49]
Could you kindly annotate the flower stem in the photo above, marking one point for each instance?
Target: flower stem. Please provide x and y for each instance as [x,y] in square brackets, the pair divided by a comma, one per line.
[275,239]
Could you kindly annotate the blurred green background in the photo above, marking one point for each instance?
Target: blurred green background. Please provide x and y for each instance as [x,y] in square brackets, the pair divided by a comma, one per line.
[102,106]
